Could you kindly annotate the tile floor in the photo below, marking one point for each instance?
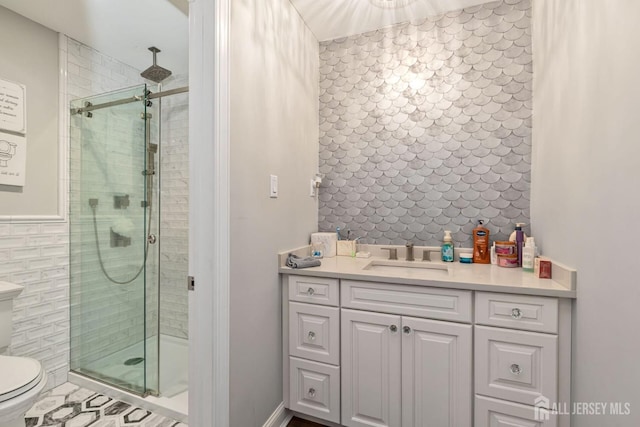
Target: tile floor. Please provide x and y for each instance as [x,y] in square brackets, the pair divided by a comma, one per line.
[71,406]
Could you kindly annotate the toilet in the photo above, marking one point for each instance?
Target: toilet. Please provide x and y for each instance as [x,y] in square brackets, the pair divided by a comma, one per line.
[21,378]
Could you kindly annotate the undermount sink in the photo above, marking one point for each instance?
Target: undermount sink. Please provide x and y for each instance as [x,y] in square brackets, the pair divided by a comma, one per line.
[410,267]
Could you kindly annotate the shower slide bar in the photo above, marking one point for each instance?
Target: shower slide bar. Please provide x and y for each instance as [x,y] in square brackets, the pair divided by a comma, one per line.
[90,107]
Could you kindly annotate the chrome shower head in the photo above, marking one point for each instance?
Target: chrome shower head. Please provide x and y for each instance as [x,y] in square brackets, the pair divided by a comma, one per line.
[155,73]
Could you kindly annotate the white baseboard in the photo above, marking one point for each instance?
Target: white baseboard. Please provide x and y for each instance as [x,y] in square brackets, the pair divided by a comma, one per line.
[280,417]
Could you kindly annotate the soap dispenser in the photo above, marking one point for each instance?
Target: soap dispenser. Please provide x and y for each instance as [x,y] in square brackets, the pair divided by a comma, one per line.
[447,247]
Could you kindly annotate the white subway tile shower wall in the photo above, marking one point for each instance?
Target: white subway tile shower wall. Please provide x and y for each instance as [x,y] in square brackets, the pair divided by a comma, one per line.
[174,211]
[426,127]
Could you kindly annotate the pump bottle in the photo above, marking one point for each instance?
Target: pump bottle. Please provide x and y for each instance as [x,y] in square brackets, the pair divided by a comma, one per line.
[447,247]
[519,241]
[481,253]
[528,255]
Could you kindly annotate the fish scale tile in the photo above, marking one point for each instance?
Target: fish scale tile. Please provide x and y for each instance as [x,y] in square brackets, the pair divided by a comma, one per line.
[426,126]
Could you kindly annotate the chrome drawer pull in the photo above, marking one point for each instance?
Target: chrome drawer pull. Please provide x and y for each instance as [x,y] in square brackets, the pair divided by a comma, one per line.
[406,330]
[516,313]
[312,336]
[312,392]
[393,328]
[515,369]
[311,291]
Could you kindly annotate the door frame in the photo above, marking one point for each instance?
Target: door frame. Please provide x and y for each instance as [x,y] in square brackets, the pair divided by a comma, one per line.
[209,218]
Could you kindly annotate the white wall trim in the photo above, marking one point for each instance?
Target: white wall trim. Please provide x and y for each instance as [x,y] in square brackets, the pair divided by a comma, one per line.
[280,417]
[63,147]
[209,200]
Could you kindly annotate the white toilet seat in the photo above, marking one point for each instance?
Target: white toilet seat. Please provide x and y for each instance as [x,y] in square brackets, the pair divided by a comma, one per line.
[18,375]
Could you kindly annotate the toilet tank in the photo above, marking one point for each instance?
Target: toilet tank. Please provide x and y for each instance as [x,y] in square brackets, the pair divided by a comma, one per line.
[8,291]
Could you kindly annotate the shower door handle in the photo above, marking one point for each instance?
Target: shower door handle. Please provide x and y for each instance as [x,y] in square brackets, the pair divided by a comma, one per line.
[152,239]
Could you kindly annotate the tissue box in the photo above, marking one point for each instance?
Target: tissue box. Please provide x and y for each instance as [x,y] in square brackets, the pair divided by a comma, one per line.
[328,240]
[346,247]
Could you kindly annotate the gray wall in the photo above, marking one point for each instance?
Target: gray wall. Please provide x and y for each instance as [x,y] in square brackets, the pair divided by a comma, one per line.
[426,127]
[29,55]
[274,130]
[585,205]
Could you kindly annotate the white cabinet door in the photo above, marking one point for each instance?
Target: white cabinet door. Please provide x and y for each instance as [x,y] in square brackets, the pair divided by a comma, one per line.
[371,372]
[436,373]
[518,366]
[314,332]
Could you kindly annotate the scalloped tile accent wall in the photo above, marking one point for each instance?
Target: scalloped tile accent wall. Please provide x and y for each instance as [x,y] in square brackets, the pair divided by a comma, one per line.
[426,127]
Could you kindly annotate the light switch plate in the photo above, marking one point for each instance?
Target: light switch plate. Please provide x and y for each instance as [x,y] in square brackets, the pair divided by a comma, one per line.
[273,193]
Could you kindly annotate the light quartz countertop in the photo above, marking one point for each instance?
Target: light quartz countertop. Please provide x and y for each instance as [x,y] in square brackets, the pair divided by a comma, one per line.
[476,277]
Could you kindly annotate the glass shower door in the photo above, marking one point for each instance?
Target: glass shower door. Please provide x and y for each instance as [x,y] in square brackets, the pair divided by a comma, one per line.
[114,261]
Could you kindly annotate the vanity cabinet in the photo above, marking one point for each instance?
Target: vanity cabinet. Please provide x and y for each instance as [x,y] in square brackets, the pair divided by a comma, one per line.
[312,340]
[404,371]
[363,354]
[521,363]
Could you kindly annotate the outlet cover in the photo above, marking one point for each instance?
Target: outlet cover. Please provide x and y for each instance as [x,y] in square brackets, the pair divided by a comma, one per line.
[273,193]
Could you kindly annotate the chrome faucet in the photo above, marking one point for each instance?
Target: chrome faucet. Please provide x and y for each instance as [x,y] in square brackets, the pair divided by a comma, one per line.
[409,247]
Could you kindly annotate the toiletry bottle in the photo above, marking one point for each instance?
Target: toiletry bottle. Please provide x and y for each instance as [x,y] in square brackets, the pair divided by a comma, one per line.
[528,255]
[519,241]
[494,256]
[481,244]
[447,247]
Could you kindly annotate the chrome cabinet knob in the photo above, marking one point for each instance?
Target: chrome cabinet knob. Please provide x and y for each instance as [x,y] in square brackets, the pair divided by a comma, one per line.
[406,330]
[516,313]
[515,369]
[152,239]
[310,291]
[312,392]
[312,336]
[393,328]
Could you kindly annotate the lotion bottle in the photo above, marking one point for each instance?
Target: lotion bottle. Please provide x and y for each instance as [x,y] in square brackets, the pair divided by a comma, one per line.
[447,247]
[481,253]
[528,255]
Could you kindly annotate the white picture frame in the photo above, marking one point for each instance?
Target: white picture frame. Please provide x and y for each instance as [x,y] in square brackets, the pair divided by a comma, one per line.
[13,107]
[13,159]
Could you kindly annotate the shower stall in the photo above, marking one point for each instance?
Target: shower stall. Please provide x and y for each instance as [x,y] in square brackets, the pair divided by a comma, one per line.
[129,230]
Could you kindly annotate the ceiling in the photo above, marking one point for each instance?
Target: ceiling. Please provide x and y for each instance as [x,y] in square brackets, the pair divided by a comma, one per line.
[122,29]
[331,19]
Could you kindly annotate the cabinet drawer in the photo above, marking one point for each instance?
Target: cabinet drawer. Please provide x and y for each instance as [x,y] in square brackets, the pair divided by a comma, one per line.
[516,365]
[314,389]
[314,290]
[314,332]
[433,303]
[497,413]
[525,312]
